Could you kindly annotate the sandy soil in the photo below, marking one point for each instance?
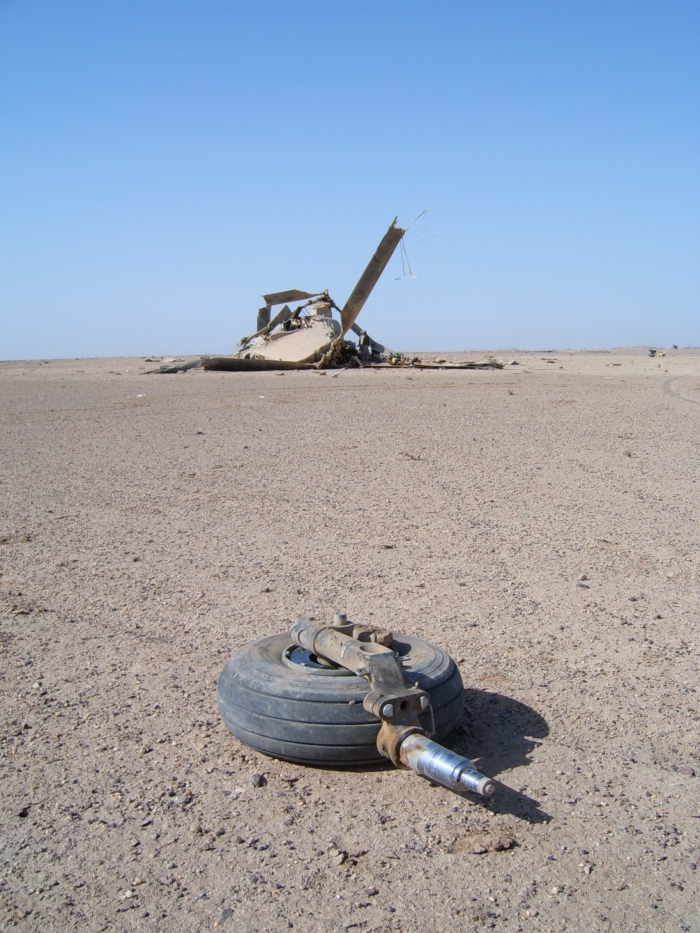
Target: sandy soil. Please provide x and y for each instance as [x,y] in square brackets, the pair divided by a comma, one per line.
[539,522]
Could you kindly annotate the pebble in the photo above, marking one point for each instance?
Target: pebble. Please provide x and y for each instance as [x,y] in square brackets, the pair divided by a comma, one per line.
[370,892]
[258,780]
[686,769]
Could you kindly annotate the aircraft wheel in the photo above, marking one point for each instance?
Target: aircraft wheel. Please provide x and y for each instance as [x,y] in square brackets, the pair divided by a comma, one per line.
[282,701]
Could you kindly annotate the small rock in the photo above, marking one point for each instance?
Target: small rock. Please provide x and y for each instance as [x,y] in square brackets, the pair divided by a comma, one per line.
[584,576]
[225,914]
[686,769]
[556,889]
[504,843]
[370,892]
[583,586]
[258,780]
[587,869]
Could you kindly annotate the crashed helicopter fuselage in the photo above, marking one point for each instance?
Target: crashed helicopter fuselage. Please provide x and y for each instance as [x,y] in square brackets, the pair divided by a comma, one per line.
[310,334]
[311,337]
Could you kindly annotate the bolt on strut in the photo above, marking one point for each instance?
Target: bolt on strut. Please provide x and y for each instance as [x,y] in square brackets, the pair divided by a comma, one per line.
[402,739]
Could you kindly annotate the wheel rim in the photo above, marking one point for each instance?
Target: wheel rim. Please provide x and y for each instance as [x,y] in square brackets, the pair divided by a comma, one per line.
[301,660]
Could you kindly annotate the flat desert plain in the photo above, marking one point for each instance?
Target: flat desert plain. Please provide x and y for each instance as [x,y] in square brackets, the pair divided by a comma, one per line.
[539,522]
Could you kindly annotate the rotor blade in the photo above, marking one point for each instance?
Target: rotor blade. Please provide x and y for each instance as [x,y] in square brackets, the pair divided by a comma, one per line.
[370,276]
[292,294]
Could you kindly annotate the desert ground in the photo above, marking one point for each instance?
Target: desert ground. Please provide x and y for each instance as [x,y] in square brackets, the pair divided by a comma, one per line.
[539,522]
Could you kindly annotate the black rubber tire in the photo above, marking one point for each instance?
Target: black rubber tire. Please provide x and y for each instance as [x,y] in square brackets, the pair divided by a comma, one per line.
[311,717]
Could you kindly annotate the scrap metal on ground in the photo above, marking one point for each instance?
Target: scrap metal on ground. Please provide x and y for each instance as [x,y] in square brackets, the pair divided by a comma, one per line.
[309,337]
[349,694]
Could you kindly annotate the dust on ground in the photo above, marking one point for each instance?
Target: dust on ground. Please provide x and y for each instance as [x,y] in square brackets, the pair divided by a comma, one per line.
[540,523]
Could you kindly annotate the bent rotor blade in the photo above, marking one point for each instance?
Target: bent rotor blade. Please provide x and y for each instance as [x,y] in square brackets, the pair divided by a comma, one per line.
[292,294]
[370,276]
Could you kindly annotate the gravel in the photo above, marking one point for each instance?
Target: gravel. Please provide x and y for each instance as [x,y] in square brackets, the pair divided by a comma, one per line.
[151,525]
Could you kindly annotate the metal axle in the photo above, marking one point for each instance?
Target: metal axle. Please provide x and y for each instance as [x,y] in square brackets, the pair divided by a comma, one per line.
[422,755]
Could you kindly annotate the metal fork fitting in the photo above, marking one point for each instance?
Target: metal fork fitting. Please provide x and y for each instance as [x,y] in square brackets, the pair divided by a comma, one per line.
[402,738]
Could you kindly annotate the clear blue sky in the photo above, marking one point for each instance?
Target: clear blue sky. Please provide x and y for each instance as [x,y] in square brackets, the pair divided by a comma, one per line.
[164,164]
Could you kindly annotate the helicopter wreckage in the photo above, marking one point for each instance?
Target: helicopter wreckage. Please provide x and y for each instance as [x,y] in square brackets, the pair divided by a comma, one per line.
[310,337]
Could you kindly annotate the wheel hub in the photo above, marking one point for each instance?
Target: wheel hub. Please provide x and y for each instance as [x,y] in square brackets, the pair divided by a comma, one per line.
[299,659]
